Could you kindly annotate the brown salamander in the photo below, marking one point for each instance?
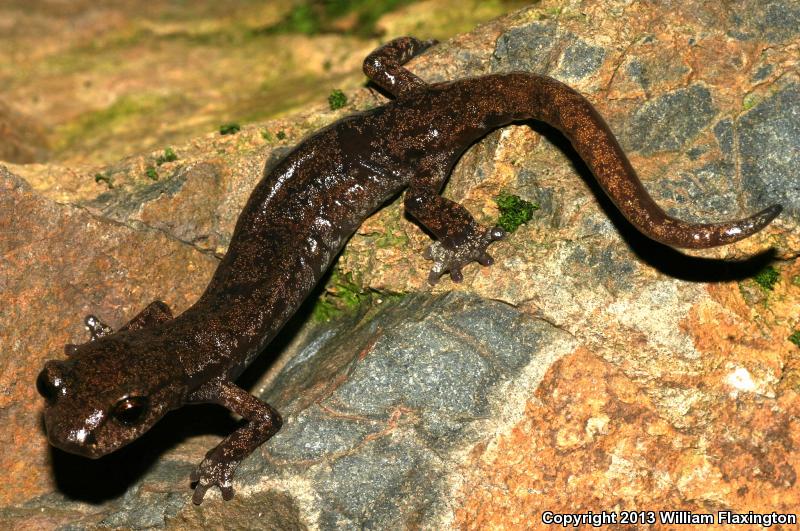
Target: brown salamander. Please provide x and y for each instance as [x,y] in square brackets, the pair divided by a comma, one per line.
[112,389]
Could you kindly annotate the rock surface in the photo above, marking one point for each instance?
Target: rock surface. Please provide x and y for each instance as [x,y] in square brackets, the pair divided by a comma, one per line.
[589,369]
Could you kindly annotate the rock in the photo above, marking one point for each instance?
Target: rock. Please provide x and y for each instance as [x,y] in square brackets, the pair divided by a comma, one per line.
[59,264]
[589,369]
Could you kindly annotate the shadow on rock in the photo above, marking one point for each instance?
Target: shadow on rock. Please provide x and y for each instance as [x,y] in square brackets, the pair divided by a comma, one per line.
[663,258]
[100,480]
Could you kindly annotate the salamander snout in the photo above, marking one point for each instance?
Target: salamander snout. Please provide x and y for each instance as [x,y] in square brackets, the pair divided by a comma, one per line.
[52,381]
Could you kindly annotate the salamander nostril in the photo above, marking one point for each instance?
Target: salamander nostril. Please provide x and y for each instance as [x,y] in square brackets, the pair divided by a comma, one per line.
[51,382]
[90,440]
[46,386]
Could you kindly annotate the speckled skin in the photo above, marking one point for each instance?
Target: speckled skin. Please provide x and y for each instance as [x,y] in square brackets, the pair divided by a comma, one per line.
[115,387]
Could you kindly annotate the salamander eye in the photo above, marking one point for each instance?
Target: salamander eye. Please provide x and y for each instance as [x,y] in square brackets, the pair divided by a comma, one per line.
[130,411]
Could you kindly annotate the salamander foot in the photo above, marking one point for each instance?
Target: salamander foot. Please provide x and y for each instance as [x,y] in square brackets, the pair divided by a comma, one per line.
[213,471]
[472,249]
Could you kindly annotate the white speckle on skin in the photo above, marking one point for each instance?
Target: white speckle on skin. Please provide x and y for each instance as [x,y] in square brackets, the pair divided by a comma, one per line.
[78,436]
[94,419]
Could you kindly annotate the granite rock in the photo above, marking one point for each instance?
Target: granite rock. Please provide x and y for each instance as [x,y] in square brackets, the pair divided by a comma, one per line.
[588,369]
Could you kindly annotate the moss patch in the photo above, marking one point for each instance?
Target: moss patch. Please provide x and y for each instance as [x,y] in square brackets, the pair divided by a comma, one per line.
[229,129]
[345,295]
[104,177]
[118,116]
[514,211]
[337,100]
[168,156]
[357,17]
[795,337]
[767,278]
[342,295]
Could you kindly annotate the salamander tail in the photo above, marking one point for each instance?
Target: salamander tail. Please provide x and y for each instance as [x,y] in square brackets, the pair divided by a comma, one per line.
[564,108]
[679,233]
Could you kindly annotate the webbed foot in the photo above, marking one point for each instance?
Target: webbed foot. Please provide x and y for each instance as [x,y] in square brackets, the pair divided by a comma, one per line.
[472,249]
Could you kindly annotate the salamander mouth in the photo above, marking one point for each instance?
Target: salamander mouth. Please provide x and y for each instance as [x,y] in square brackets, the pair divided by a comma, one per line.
[80,441]
[87,449]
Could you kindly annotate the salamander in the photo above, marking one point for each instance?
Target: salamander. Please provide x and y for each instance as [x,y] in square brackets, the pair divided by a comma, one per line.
[113,388]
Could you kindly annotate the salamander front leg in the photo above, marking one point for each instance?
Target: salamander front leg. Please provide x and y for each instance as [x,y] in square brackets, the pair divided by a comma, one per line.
[96,328]
[156,312]
[384,66]
[221,461]
[460,239]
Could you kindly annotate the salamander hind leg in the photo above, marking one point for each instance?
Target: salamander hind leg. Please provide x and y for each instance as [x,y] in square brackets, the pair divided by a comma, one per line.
[384,66]
[460,239]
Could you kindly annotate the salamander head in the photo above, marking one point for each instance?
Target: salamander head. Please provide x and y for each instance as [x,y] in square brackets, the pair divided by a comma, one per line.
[107,394]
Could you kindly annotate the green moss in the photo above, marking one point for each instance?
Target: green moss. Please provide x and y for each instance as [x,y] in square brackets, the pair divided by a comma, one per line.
[796,280]
[514,211]
[168,156]
[337,99]
[749,101]
[118,116]
[342,295]
[281,135]
[393,234]
[266,135]
[795,337]
[151,173]
[104,177]
[229,128]
[313,17]
[391,238]
[301,19]
[767,278]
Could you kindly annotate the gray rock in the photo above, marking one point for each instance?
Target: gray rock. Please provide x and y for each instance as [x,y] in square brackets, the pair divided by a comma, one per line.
[769,136]
[526,48]
[669,122]
[772,20]
[413,382]
[580,60]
